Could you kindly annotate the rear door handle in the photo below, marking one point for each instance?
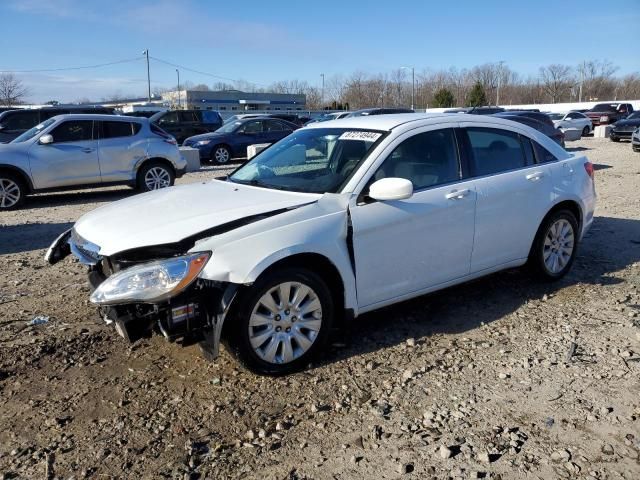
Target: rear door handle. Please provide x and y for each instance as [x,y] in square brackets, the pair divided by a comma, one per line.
[457,194]
[535,176]
[88,150]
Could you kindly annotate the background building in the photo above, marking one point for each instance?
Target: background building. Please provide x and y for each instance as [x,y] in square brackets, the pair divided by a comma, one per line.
[234,100]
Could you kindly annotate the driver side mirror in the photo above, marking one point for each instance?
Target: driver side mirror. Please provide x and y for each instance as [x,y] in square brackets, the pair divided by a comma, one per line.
[45,139]
[391,189]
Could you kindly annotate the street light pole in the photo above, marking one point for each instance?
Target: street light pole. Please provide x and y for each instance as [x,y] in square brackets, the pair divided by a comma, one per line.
[179,102]
[413,85]
[146,54]
[322,92]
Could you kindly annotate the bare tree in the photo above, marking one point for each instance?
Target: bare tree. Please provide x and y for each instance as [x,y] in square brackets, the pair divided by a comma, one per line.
[556,80]
[12,90]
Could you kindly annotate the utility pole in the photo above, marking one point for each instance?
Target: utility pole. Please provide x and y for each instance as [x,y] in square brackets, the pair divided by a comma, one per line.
[179,102]
[322,92]
[413,85]
[500,63]
[146,54]
[581,81]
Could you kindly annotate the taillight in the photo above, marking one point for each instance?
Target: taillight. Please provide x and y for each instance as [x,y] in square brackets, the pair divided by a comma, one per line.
[588,166]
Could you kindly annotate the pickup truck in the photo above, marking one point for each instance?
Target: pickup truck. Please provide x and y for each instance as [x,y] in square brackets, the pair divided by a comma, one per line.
[607,113]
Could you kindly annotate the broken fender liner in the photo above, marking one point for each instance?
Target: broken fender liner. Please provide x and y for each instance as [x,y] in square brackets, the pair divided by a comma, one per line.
[59,249]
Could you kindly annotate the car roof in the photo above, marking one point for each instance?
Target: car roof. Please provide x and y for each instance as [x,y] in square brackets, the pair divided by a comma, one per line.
[98,116]
[394,120]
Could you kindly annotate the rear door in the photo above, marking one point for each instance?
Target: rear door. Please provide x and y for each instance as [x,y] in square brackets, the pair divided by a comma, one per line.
[120,148]
[513,195]
[275,130]
[72,158]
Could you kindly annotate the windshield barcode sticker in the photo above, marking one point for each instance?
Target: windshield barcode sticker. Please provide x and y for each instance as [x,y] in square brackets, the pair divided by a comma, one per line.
[367,136]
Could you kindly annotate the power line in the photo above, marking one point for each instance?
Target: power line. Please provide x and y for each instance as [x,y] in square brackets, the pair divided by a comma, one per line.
[64,69]
[182,67]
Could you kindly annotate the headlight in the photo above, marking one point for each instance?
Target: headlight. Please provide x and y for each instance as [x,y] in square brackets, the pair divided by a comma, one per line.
[201,143]
[150,282]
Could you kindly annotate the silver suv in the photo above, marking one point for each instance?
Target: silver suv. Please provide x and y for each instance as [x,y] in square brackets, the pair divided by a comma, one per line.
[84,151]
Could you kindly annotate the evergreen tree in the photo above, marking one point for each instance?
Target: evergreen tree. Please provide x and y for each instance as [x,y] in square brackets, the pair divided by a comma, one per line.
[443,98]
[477,97]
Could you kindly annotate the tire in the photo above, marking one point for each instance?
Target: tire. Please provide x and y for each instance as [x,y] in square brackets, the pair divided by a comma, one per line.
[585,131]
[614,139]
[155,176]
[258,336]
[12,191]
[557,238]
[221,155]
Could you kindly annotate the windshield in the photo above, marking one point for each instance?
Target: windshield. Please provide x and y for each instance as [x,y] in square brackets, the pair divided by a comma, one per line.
[604,107]
[229,127]
[32,132]
[313,160]
[556,116]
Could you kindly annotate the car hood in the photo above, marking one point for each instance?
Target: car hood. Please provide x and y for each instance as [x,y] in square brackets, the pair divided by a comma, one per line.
[635,122]
[173,214]
[205,136]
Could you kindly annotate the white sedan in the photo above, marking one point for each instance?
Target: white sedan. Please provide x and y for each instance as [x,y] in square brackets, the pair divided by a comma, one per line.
[575,120]
[337,219]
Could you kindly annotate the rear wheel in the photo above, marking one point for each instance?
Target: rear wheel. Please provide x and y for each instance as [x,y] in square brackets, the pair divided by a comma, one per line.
[12,191]
[154,176]
[282,322]
[555,245]
[585,131]
[221,154]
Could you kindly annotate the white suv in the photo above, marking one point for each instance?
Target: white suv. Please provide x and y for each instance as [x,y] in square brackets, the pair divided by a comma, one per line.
[83,151]
[337,219]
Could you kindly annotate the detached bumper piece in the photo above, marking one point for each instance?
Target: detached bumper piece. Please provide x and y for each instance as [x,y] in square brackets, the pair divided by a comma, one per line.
[183,319]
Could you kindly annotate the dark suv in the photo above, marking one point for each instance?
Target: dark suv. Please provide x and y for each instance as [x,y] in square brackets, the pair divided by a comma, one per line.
[183,124]
[14,123]
[607,113]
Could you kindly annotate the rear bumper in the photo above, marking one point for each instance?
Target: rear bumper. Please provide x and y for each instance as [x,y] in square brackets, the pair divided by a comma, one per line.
[180,172]
[620,134]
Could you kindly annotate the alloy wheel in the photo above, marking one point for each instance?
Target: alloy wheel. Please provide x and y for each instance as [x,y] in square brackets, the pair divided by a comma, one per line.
[285,322]
[9,193]
[221,155]
[558,245]
[157,178]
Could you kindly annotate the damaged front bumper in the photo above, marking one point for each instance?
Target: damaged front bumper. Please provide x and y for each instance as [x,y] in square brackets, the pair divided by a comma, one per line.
[194,315]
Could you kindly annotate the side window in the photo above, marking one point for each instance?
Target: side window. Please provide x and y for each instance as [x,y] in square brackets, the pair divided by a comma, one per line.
[116,129]
[575,116]
[169,119]
[21,121]
[494,151]
[73,131]
[209,116]
[542,154]
[188,117]
[528,150]
[426,159]
[252,127]
[274,126]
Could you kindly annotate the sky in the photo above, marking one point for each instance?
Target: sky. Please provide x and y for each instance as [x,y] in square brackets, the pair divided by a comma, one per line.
[263,42]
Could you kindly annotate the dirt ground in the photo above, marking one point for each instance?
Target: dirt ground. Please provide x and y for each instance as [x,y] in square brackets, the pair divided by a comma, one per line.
[500,378]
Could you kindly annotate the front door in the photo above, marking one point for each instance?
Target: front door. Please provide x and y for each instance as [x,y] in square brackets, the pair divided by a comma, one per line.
[72,158]
[403,247]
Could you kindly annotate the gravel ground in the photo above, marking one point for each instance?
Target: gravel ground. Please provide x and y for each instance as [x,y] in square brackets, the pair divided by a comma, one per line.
[499,378]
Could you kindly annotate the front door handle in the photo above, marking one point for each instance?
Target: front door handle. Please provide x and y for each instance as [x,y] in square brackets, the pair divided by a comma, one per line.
[88,150]
[535,176]
[457,194]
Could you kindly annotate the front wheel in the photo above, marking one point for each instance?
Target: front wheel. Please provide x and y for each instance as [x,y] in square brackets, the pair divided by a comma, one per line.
[585,131]
[614,139]
[555,246]
[154,176]
[282,322]
[221,154]
[12,191]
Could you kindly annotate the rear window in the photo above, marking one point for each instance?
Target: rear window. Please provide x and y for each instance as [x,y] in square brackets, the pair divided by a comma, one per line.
[542,154]
[119,129]
[158,131]
[20,120]
[494,150]
[209,116]
[604,107]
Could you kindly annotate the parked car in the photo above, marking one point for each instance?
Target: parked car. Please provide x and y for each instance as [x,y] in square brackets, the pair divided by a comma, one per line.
[329,116]
[14,123]
[489,110]
[552,132]
[85,151]
[242,116]
[378,111]
[635,140]
[183,124]
[622,129]
[232,139]
[572,120]
[337,219]
[607,113]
